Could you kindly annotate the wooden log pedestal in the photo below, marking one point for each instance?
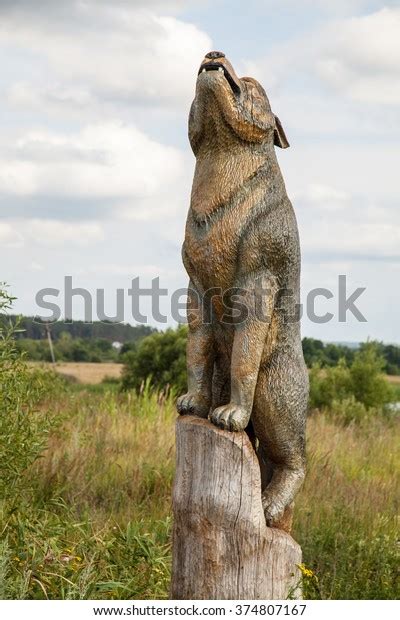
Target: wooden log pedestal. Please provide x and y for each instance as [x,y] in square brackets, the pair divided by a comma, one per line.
[222,548]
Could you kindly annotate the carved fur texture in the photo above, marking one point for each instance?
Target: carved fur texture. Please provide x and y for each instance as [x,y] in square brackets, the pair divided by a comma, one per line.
[241,251]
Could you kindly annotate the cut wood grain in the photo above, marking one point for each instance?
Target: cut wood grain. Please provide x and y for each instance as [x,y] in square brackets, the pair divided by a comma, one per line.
[222,548]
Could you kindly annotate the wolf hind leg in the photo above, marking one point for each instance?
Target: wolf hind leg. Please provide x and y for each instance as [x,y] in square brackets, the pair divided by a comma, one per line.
[278,417]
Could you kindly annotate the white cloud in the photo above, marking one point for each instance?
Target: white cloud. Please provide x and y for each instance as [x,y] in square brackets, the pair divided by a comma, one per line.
[16,233]
[55,95]
[53,233]
[51,7]
[169,205]
[10,237]
[109,50]
[131,270]
[34,266]
[17,178]
[109,160]
[317,194]
[339,6]
[358,57]
[334,223]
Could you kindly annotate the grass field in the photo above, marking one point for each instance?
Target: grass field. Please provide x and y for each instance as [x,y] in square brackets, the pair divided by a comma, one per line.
[86,372]
[99,519]
[90,373]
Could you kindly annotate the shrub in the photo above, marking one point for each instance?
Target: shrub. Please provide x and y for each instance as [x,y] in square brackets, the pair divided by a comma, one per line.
[329,384]
[351,391]
[368,381]
[23,429]
[161,358]
[350,410]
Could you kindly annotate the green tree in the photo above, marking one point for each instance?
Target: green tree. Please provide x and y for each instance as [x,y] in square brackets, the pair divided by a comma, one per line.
[329,384]
[325,354]
[368,381]
[352,390]
[391,353]
[161,358]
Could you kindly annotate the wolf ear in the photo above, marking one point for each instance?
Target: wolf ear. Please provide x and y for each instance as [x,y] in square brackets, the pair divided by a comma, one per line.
[280,138]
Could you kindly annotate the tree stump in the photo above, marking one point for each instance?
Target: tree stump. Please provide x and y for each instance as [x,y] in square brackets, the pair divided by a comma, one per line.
[222,548]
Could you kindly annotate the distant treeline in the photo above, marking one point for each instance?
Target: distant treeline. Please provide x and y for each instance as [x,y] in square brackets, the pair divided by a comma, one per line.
[93,342]
[329,354]
[77,341]
[34,329]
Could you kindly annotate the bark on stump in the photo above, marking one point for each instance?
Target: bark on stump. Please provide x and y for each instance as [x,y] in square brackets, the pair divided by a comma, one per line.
[222,548]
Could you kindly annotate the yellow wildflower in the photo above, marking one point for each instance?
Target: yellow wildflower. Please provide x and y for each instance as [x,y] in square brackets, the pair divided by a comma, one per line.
[307,572]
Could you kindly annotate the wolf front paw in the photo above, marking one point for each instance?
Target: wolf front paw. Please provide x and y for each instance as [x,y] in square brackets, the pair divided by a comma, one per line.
[192,404]
[230,417]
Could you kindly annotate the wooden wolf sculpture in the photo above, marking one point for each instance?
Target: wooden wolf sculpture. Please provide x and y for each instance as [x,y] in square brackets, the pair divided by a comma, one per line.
[241,251]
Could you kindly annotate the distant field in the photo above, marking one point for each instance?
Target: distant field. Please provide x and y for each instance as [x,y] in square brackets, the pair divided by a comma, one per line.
[86,372]
[90,373]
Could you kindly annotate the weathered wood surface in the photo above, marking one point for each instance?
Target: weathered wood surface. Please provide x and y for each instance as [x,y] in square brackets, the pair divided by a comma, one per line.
[222,548]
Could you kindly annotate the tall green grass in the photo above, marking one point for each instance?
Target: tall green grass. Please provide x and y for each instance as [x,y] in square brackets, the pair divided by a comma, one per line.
[95,522]
[347,513]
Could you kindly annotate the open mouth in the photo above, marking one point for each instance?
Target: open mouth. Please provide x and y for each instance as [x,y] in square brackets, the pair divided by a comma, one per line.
[217,66]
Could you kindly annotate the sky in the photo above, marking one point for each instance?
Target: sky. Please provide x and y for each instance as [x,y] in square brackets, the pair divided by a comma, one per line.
[96,168]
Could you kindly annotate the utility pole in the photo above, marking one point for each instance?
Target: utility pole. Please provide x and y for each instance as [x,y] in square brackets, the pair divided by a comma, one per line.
[48,332]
